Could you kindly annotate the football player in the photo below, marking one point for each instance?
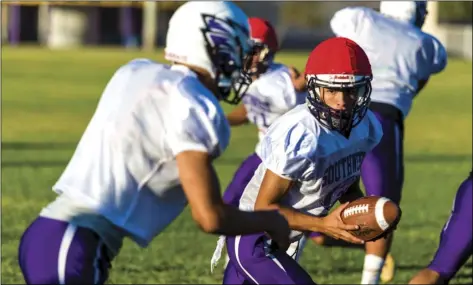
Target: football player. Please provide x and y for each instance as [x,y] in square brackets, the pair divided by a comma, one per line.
[455,241]
[269,96]
[403,58]
[147,152]
[311,158]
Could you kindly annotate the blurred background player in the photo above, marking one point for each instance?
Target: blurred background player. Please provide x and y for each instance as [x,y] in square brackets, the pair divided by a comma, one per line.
[403,58]
[269,96]
[455,241]
[147,152]
[300,153]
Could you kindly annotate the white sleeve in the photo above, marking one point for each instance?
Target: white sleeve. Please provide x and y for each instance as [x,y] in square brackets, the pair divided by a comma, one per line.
[440,56]
[285,150]
[344,22]
[431,57]
[190,128]
[191,134]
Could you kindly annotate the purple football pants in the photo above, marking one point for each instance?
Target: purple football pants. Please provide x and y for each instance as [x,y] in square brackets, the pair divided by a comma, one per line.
[456,237]
[251,259]
[382,170]
[57,252]
[241,178]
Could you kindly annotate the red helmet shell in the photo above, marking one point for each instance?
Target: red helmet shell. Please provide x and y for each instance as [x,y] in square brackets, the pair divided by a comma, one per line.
[338,61]
[262,31]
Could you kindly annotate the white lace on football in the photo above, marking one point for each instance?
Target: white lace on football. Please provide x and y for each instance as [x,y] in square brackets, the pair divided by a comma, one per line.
[354,210]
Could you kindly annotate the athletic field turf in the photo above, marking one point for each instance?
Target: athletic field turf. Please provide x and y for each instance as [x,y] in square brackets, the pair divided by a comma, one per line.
[48,98]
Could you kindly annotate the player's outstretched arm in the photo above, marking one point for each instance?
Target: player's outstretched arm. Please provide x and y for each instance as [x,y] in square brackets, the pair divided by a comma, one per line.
[274,187]
[272,190]
[201,187]
[237,116]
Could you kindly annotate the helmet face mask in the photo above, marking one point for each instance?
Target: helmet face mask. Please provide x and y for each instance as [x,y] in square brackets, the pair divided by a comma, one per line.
[265,43]
[342,121]
[262,59]
[230,56]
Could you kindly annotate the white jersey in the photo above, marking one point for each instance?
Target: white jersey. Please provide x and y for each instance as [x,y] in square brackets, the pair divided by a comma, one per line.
[400,53]
[270,96]
[322,162]
[124,168]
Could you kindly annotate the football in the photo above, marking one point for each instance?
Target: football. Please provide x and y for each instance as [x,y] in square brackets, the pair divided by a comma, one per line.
[375,216]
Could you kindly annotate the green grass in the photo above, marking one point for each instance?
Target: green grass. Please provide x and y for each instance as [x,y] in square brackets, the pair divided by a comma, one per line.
[49,96]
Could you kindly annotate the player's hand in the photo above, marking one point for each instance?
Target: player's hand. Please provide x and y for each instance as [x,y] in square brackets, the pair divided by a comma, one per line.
[297,78]
[333,226]
[280,231]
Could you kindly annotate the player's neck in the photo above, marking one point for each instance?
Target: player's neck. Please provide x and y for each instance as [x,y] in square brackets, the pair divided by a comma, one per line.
[204,77]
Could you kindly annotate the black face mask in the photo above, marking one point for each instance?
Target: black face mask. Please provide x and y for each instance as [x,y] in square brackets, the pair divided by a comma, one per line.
[339,120]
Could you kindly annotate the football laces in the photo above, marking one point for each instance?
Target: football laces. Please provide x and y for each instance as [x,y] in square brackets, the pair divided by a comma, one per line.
[354,210]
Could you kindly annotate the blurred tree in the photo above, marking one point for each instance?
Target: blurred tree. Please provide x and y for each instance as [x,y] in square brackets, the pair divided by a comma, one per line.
[455,12]
[302,14]
[169,5]
[315,13]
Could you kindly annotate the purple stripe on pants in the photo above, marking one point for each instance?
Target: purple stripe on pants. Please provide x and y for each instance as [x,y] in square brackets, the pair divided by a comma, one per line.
[241,178]
[456,238]
[252,261]
[57,252]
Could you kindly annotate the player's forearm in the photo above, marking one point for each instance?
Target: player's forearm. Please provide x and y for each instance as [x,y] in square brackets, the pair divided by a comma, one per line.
[238,116]
[231,221]
[236,120]
[297,221]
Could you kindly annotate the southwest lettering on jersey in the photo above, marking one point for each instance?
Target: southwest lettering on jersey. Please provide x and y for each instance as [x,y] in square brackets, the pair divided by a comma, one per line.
[343,168]
[328,200]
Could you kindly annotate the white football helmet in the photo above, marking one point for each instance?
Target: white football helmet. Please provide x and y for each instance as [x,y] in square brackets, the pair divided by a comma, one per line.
[215,36]
[413,12]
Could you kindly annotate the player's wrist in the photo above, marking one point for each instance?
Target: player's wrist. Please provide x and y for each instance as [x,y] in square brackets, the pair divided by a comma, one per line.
[270,218]
[317,224]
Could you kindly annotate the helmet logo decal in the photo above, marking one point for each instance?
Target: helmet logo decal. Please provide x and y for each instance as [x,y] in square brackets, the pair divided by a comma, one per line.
[227,43]
[219,33]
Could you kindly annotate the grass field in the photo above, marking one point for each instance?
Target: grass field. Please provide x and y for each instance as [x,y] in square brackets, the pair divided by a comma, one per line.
[48,98]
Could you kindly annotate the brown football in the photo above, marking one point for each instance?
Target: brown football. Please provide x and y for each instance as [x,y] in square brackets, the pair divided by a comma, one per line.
[375,216]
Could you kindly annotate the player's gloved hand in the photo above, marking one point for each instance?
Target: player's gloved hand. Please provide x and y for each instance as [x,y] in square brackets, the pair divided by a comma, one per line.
[332,225]
[279,231]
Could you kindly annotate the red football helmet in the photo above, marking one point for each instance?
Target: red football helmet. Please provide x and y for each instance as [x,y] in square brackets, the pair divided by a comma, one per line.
[339,63]
[265,40]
